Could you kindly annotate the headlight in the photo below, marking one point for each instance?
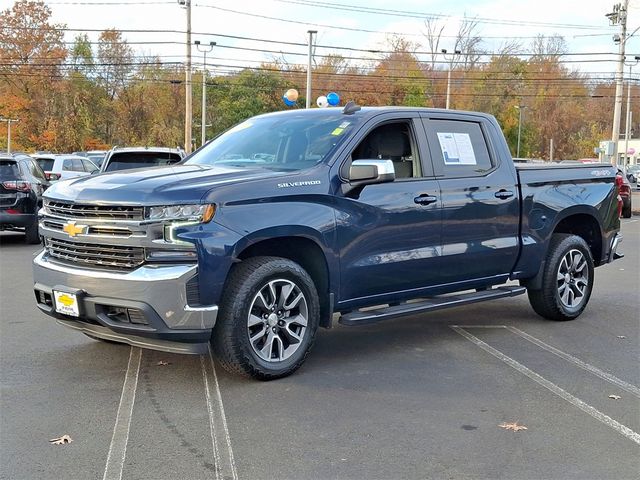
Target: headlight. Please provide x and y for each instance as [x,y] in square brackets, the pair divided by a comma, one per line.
[192,213]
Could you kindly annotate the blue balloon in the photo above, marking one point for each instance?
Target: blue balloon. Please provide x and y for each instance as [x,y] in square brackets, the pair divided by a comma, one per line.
[287,102]
[333,98]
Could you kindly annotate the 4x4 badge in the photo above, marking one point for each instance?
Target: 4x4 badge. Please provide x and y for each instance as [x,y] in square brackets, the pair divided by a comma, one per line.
[72,229]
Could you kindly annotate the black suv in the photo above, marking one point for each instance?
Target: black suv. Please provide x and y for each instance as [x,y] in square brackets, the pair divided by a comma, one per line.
[22,183]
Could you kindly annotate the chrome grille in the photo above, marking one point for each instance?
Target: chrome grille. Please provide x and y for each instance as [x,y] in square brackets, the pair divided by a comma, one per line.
[113,212]
[91,229]
[120,257]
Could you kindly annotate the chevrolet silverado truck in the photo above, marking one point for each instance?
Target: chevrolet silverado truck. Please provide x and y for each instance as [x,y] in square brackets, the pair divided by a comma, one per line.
[292,220]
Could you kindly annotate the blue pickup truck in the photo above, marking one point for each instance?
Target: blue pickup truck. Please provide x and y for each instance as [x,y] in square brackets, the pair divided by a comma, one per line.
[290,220]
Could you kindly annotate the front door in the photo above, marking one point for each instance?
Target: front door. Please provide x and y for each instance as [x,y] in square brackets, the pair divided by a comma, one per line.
[389,234]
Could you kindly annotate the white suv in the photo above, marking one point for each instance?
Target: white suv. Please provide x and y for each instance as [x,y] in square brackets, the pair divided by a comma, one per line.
[63,167]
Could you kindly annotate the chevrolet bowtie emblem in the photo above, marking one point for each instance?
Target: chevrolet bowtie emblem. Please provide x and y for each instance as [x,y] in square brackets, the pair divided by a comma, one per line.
[72,229]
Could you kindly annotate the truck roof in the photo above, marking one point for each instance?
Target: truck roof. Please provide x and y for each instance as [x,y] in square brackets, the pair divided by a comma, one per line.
[372,111]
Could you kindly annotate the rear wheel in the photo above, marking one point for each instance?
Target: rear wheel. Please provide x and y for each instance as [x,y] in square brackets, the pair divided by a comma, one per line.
[626,209]
[268,318]
[567,279]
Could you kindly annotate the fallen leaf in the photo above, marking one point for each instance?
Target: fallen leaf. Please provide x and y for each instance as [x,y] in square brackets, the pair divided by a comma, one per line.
[615,397]
[512,426]
[162,363]
[621,336]
[64,439]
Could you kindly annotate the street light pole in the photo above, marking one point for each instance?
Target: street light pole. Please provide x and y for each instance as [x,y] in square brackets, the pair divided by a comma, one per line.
[520,108]
[627,130]
[205,49]
[9,121]
[444,53]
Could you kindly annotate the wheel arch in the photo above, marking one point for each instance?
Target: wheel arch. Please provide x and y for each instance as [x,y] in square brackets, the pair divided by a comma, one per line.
[586,226]
[306,252]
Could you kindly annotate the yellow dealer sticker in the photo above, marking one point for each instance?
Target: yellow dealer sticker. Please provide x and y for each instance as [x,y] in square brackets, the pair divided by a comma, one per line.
[66,303]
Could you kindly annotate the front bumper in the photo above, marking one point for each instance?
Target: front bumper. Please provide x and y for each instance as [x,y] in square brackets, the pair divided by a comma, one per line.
[146,307]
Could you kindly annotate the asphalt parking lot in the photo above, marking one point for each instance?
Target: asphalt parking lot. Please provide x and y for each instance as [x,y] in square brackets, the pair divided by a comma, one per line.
[421,397]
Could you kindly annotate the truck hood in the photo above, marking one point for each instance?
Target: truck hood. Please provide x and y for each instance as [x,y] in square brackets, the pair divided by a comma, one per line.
[155,186]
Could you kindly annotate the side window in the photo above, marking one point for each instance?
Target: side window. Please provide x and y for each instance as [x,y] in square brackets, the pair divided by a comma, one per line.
[77,165]
[395,142]
[459,148]
[67,164]
[35,169]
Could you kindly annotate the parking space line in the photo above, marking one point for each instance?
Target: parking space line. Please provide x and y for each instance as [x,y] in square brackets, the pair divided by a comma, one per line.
[575,401]
[576,361]
[225,465]
[120,437]
[565,356]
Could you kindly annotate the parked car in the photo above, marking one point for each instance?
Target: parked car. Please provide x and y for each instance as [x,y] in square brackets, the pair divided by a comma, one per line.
[633,173]
[57,167]
[124,158]
[624,190]
[22,183]
[270,229]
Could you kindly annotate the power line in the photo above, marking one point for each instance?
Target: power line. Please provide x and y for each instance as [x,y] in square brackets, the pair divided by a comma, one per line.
[424,15]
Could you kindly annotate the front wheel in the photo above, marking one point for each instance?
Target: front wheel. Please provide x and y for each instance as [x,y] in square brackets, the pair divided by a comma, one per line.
[567,279]
[268,318]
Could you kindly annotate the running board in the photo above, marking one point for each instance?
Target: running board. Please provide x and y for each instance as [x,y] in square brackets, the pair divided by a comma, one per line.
[359,317]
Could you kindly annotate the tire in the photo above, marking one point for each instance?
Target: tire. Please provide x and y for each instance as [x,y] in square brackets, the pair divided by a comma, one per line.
[31,233]
[268,318]
[626,210]
[564,298]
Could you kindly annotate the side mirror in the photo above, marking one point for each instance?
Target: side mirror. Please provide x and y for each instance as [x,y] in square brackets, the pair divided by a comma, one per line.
[369,172]
[93,172]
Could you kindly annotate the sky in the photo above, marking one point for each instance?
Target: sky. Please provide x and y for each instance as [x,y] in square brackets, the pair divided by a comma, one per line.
[582,24]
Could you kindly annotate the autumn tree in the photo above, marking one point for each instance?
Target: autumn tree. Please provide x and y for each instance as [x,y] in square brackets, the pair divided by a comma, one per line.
[31,54]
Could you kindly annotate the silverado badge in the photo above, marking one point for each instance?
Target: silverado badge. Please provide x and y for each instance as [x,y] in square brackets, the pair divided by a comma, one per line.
[72,229]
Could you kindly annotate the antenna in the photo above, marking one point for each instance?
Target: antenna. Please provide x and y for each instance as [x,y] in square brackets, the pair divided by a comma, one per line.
[350,108]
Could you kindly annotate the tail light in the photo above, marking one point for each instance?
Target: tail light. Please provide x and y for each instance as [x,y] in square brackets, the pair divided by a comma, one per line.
[51,176]
[19,186]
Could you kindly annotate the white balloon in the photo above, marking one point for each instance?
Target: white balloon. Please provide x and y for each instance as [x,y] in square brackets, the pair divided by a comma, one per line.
[322,101]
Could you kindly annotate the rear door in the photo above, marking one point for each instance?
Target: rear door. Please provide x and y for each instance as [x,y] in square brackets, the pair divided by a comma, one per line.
[480,207]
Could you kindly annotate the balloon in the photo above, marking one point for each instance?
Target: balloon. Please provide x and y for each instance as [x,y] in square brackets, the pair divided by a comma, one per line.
[333,98]
[287,102]
[322,101]
[291,94]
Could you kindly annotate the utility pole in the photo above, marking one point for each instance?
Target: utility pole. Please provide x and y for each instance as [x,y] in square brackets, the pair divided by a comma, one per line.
[205,49]
[187,100]
[618,17]
[444,53]
[310,32]
[9,122]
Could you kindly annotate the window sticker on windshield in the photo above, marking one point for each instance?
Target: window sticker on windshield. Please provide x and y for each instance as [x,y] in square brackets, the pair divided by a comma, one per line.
[457,149]
[340,128]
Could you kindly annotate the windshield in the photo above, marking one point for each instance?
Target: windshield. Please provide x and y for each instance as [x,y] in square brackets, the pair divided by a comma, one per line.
[127,160]
[279,142]
[45,163]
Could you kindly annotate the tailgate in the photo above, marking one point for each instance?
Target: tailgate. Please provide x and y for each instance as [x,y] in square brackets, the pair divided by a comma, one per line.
[9,172]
